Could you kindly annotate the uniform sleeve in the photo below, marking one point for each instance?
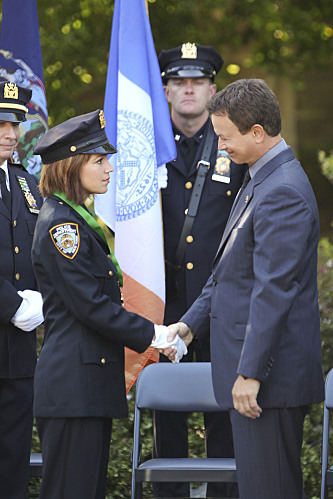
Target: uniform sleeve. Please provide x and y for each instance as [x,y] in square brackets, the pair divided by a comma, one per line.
[10,301]
[80,278]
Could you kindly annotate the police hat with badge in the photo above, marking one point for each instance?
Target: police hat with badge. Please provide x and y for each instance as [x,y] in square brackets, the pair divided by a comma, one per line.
[84,134]
[13,102]
[190,61]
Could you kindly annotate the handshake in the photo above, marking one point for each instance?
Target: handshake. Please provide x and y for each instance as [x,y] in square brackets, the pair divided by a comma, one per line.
[172,340]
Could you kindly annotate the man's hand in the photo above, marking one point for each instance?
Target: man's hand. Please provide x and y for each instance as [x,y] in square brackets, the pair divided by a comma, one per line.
[183,330]
[244,394]
[185,333]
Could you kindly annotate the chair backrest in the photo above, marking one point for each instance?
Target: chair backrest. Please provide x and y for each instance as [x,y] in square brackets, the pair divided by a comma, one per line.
[329,390]
[328,405]
[178,387]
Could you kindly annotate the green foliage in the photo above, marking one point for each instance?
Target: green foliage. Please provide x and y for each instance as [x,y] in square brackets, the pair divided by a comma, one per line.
[326,163]
[284,37]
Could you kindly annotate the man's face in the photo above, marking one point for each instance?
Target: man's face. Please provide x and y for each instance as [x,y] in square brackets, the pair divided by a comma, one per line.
[241,148]
[9,137]
[189,96]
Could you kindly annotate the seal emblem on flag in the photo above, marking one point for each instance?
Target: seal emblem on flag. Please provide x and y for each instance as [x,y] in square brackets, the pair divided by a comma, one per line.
[136,166]
[66,239]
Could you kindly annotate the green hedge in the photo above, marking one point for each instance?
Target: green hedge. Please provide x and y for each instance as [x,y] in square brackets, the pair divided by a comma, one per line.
[119,472]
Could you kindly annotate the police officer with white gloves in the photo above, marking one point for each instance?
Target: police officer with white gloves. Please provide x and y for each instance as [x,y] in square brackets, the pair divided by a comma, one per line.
[21,303]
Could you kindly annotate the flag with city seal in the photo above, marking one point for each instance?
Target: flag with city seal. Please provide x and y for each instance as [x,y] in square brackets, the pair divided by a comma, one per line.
[138,124]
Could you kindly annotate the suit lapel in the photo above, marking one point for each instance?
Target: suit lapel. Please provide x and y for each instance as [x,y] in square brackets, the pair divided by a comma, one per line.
[244,200]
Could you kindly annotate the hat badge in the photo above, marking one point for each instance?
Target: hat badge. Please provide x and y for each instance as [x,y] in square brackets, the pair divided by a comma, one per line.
[102,119]
[189,51]
[10,91]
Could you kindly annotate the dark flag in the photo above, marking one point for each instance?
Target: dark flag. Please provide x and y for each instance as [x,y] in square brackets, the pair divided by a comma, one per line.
[21,63]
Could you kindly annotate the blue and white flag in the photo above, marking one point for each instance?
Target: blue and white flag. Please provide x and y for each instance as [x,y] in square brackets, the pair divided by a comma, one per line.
[21,63]
[138,124]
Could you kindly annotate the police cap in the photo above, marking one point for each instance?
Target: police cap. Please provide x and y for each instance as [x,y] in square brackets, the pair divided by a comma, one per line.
[84,134]
[13,100]
[190,61]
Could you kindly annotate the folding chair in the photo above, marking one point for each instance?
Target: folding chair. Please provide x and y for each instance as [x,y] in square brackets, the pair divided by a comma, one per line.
[176,387]
[35,469]
[326,469]
[36,465]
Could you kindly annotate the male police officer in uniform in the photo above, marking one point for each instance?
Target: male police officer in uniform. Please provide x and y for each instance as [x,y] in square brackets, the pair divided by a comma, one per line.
[21,306]
[188,73]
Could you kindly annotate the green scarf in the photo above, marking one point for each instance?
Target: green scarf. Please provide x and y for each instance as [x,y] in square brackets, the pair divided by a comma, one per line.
[96,227]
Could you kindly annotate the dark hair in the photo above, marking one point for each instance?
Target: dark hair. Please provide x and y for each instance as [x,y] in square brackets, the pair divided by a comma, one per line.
[64,176]
[248,102]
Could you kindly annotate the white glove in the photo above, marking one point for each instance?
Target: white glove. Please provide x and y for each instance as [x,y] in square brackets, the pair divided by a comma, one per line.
[162,177]
[161,341]
[30,313]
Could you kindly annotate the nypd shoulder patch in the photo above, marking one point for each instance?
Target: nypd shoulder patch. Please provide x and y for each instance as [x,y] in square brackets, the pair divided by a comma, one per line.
[66,239]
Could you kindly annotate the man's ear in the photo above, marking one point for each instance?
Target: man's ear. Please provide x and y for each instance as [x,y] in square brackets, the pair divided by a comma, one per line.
[258,133]
[213,89]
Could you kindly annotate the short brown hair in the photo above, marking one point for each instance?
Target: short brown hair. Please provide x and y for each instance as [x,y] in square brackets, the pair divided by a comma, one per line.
[248,102]
[64,176]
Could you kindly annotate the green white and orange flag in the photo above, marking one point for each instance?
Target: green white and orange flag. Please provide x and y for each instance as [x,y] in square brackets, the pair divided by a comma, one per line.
[138,124]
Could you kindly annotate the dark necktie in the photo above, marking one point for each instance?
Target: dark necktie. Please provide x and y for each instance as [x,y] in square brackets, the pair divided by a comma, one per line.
[5,194]
[189,151]
[246,180]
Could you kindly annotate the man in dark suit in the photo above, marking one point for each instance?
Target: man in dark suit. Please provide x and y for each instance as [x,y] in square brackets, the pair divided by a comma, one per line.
[21,306]
[188,73]
[261,300]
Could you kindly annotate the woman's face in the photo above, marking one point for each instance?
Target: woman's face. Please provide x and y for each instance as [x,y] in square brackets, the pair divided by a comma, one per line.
[94,175]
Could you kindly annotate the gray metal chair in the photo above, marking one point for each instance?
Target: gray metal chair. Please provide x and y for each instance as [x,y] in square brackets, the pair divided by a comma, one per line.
[35,469]
[326,469]
[176,387]
[36,465]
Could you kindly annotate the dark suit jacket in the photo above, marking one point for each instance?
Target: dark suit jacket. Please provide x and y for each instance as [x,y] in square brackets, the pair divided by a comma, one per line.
[80,371]
[17,348]
[215,204]
[261,298]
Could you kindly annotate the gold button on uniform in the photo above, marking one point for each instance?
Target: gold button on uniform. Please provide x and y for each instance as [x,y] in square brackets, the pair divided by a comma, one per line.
[110,273]
[17,276]
[14,223]
[189,266]
[186,211]
[188,185]
[16,249]
[189,239]
[103,360]
[228,193]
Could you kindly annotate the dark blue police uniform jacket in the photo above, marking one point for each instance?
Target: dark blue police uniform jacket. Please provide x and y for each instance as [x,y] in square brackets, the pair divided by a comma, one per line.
[17,348]
[215,204]
[80,371]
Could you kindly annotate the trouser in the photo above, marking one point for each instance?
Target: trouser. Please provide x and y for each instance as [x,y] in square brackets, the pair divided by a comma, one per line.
[16,420]
[75,457]
[171,440]
[268,453]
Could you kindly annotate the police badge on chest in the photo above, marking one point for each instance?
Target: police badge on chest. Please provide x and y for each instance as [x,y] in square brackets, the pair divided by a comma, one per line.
[222,168]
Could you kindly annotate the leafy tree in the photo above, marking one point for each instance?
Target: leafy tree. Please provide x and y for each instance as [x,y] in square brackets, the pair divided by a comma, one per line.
[282,37]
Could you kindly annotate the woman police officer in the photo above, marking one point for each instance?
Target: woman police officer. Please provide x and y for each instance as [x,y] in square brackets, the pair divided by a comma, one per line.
[79,379]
